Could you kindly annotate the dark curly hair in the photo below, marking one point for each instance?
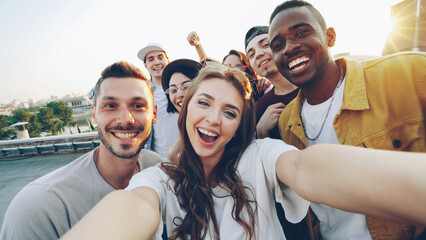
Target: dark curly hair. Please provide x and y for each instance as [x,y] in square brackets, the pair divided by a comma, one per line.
[187,173]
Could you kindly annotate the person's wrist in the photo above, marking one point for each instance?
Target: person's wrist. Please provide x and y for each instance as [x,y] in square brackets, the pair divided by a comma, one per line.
[203,58]
[260,133]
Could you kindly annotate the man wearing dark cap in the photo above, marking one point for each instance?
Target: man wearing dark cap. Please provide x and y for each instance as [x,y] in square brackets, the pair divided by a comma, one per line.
[270,105]
[165,131]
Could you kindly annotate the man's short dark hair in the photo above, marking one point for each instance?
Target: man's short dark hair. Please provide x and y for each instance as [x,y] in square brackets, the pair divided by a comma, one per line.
[253,32]
[121,70]
[299,3]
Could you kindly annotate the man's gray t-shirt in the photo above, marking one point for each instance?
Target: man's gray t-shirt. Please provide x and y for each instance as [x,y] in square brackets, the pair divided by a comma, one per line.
[49,206]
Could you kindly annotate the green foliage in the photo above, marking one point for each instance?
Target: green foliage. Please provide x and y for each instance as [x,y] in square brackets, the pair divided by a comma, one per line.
[21,115]
[5,121]
[51,118]
[34,109]
[92,128]
[56,127]
[6,133]
[45,118]
[78,127]
[34,127]
[63,112]
[48,122]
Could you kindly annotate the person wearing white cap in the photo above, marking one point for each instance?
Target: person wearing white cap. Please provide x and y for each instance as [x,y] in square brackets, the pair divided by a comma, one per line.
[165,131]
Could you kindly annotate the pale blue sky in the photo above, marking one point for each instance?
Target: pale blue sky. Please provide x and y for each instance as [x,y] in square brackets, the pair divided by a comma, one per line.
[57,47]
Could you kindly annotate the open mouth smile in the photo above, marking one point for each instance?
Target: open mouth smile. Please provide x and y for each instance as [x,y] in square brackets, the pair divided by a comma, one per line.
[207,136]
[124,133]
[298,63]
[125,136]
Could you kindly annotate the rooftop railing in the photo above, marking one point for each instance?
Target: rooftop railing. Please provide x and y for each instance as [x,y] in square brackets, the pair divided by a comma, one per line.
[49,145]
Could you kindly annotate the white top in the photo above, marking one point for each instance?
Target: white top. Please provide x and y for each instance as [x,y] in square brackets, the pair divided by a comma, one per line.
[257,171]
[317,113]
[334,223]
[166,130]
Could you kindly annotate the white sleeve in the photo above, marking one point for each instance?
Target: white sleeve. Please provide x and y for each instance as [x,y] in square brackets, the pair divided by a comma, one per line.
[295,207]
[155,178]
[152,177]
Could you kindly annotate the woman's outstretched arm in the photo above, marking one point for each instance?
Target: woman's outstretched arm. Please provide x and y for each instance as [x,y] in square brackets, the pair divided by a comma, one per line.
[120,215]
[386,184]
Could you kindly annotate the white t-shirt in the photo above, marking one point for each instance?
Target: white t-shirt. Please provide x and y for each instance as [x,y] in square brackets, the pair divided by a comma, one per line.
[334,223]
[257,171]
[166,130]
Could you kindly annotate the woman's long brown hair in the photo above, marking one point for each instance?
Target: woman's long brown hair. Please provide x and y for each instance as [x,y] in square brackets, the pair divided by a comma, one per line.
[194,194]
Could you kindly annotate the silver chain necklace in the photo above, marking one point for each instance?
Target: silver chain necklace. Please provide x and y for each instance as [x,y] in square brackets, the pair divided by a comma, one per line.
[328,111]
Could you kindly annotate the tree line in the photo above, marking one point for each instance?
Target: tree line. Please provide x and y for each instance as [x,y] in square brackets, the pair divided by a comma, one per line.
[52,118]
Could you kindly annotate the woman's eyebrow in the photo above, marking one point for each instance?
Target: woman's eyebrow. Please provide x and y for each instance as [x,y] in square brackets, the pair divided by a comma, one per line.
[233,107]
[206,95]
[227,105]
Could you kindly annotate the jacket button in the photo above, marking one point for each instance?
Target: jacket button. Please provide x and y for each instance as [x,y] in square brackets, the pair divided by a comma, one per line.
[396,143]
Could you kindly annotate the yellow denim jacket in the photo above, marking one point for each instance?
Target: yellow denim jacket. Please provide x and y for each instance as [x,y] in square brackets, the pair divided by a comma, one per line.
[384,107]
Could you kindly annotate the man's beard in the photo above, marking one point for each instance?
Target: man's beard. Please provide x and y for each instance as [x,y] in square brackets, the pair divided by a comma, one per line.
[123,153]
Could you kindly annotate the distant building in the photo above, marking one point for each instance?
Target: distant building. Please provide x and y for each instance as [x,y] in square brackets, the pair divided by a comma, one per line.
[409,33]
[7,110]
[24,105]
[44,101]
[81,106]
[32,102]
[78,103]
[16,102]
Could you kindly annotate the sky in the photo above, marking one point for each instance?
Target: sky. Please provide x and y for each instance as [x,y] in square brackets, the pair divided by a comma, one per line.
[58,47]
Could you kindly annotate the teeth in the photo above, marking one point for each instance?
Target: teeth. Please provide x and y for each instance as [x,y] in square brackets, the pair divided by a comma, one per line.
[263,63]
[203,131]
[297,61]
[125,135]
[299,67]
[156,69]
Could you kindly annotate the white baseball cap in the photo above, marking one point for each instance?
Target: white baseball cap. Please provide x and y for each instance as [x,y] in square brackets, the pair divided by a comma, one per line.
[149,48]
